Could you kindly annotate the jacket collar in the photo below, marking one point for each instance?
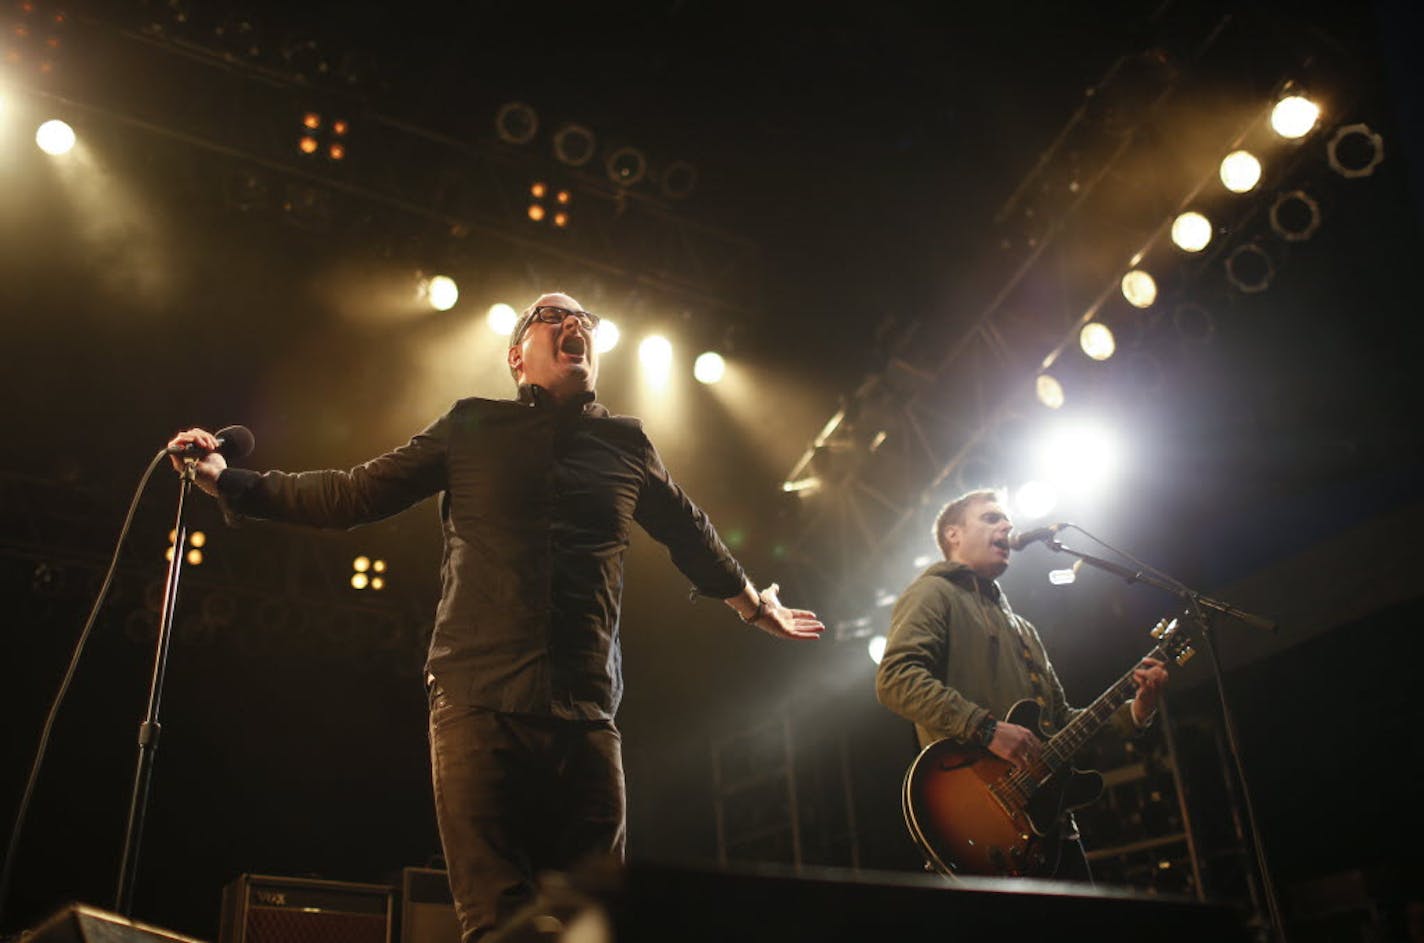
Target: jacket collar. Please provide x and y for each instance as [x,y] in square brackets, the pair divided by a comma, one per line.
[532,394]
[965,578]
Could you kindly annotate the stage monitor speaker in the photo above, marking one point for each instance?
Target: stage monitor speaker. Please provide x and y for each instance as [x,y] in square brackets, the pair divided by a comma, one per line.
[259,908]
[79,923]
[427,913]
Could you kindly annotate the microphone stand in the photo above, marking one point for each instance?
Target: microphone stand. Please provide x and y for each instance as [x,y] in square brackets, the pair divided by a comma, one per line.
[149,729]
[1196,602]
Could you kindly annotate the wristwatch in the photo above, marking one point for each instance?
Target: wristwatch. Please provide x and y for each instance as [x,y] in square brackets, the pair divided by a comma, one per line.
[984,733]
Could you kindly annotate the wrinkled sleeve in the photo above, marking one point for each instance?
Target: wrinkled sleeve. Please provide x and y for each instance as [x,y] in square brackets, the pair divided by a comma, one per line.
[917,652]
[341,499]
[668,515]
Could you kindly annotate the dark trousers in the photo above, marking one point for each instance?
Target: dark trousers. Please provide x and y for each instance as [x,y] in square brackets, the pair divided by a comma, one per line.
[516,795]
[1073,863]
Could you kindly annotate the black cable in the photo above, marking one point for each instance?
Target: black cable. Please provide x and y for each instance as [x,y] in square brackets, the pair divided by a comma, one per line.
[10,851]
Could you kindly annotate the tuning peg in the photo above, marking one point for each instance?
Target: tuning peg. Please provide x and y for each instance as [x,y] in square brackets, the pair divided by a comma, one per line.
[1185,656]
[1159,629]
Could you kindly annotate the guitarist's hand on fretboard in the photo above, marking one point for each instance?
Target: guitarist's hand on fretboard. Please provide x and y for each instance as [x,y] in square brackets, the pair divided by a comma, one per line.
[1015,744]
[1150,677]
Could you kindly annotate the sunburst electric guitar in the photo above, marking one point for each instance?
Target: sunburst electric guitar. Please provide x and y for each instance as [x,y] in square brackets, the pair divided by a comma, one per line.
[972,813]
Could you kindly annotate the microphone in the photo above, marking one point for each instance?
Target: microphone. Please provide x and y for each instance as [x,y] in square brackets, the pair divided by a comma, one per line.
[1020,541]
[234,442]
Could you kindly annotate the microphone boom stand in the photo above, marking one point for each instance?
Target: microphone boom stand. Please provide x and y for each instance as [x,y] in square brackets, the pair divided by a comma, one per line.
[1196,602]
[149,729]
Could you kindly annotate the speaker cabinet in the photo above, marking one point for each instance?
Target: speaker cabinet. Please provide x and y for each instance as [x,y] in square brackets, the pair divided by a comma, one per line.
[427,912]
[78,923]
[263,909]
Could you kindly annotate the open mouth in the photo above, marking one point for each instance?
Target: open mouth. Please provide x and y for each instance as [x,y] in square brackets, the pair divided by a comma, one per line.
[574,345]
[1003,544]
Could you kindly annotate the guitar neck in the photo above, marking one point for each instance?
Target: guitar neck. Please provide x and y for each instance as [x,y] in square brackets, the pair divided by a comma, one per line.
[1065,744]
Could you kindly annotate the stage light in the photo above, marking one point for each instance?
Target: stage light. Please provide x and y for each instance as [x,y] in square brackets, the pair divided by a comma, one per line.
[359,580]
[1191,231]
[1034,499]
[655,354]
[709,367]
[563,197]
[339,127]
[1080,457]
[678,180]
[538,189]
[1249,268]
[561,220]
[442,292]
[516,123]
[308,145]
[377,583]
[1354,151]
[1240,171]
[1048,390]
[605,336]
[502,318]
[55,138]
[574,145]
[378,566]
[1294,116]
[336,151]
[361,564]
[626,166]
[195,557]
[1295,216]
[198,539]
[536,212]
[311,120]
[1097,341]
[876,648]
[1139,288]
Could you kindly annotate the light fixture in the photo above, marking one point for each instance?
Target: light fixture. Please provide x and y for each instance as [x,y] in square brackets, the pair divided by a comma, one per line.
[1049,391]
[1139,288]
[678,180]
[501,318]
[1240,171]
[1294,116]
[1097,341]
[1079,457]
[516,123]
[442,292]
[1191,232]
[1249,268]
[1354,151]
[308,144]
[655,354]
[536,211]
[1295,216]
[55,138]
[1034,499]
[709,367]
[574,144]
[605,336]
[626,166]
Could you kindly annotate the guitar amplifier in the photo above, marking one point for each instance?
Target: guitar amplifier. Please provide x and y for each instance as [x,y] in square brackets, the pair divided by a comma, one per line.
[427,907]
[263,909]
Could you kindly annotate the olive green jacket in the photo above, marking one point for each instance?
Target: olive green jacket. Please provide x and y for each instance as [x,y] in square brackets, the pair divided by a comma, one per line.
[956,652]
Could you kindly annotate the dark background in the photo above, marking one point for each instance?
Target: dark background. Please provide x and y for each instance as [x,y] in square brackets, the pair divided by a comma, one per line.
[865,156]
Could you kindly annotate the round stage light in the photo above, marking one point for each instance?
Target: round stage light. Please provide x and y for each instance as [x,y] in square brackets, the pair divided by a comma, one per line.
[54,137]
[1080,458]
[442,292]
[1295,216]
[626,166]
[1049,391]
[1249,268]
[605,336]
[1034,499]
[1097,340]
[709,367]
[1191,231]
[1354,151]
[574,145]
[501,318]
[516,123]
[1294,116]
[1139,288]
[1240,171]
[655,354]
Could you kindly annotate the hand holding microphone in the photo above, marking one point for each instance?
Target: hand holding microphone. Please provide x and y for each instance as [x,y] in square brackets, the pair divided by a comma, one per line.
[210,452]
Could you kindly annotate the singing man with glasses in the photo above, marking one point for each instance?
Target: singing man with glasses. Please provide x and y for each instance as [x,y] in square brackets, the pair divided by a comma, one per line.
[538,496]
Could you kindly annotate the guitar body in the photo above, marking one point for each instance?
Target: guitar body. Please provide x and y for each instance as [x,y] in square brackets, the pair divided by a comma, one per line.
[967,818]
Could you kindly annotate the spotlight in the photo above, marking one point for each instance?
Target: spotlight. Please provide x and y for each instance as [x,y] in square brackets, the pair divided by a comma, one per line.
[442,292]
[55,138]
[536,211]
[311,121]
[876,648]
[336,151]
[1249,268]
[1355,151]
[359,580]
[307,144]
[1049,390]
[605,336]
[502,318]
[339,127]
[1240,171]
[655,354]
[574,144]
[1191,231]
[1096,339]
[709,367]
[1081,457]
[538,189]
[561,219]
[516,123]
[626,166]
[678,180]
[198,539]
[361,564]
[1034,499]
[195,557]
[563,197]
[1139,288]
[365,573]
[1295,216]
[1294,116]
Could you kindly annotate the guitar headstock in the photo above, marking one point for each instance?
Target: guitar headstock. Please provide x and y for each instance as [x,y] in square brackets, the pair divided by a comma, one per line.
[1174,641]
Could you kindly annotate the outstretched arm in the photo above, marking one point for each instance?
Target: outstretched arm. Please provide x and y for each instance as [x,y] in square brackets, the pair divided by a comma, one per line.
[765,611]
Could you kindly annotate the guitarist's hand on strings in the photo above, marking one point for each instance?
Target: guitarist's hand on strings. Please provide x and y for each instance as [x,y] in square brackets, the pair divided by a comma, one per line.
[1015,744]
[1151,677]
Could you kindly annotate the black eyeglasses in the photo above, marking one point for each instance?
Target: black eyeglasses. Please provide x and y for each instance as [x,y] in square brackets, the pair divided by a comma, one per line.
[552,314]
